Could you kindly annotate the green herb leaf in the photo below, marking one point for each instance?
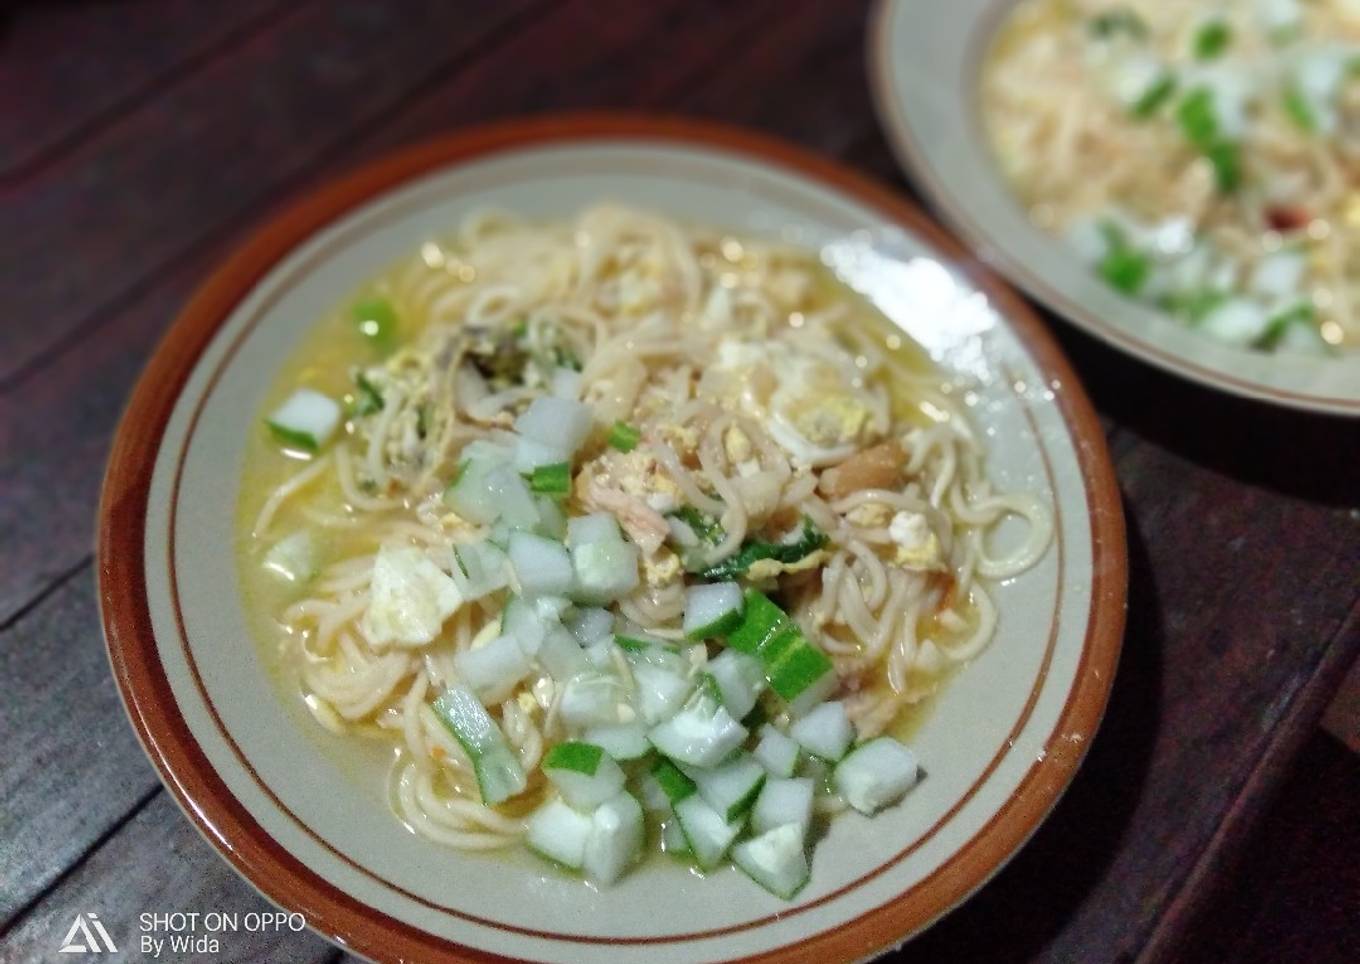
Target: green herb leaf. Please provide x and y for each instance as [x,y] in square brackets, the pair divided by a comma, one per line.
[1121,20]
[1154,97]
[1194,306]
[707,528]
[1197,117]
[552,479]
[809,541]
[367,398]
[1300,314]
[1226,157]
[293,437]
[1123,267]
[1299,110]
[377,321]
[624,437]
[1212,39]
[575,756]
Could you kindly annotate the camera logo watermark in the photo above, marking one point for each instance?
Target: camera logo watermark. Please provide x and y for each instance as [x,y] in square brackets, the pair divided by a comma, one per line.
[87,936]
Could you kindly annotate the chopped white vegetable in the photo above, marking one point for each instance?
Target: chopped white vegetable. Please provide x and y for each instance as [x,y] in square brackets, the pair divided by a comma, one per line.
[591,699]
[775,860]
[596,527]
[776,752]
[542,566]
[556,421]
[661,691]
[711,609]
[783,802]
[492,670]
[698,735]
[615,839]
[731,787]
[1236,321]
[590,624]
[531,453]
[740,679]
[824,732]
[622,741]
[558,832]
[410,597]
[306,420]
[876,774]
[292,558]
[707,833]
[561,655]
[583,773]
[566,383]
[604,571]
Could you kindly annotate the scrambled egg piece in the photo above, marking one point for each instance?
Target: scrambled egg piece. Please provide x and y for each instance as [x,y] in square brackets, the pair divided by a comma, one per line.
[917,545]
[661,568]
[639,474]
[410,598]
[870,515]
[808,402]
[736,445]
[763,569]
[828,421]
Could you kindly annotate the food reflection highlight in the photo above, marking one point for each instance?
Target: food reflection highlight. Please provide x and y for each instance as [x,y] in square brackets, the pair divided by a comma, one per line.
[631,536]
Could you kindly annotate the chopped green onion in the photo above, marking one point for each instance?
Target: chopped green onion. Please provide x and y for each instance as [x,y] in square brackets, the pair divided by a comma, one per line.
[1227,161]
[707,528]
[519,329]
[367,398]
[624,437]
[1197,118]
[565,359]
[791,663]
[377,321]
[1154,97]
[1199,122]
[1193,306]
[1125,269]
[552,479]
[1121,20]
[574,755]
[673,782]
[809,541]
[1212,39]
[1299,110]
[1300,314]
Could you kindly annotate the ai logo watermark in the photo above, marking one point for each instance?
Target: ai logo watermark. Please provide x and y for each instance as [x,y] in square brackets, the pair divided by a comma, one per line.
[85,936]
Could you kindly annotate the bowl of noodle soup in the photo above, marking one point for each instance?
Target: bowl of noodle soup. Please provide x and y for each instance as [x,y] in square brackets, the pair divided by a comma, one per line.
[603,536]
[1177,179]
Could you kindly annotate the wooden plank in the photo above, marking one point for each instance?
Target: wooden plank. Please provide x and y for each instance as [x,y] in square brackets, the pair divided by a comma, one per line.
[70,67]
[54,432]
[72,765]
[157,863]
[112,214]
[1293,894]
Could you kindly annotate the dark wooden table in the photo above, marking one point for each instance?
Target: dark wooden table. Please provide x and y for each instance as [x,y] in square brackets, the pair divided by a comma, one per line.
[140,140]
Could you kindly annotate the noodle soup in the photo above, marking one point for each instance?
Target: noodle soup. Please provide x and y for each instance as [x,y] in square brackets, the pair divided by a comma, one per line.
[1200,157]
[621,534]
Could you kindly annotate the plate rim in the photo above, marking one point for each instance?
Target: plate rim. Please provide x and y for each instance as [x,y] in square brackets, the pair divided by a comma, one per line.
[144,688]
[914,163]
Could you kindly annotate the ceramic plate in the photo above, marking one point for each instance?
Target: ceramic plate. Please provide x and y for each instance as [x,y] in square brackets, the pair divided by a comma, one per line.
[316,836]
[924,61]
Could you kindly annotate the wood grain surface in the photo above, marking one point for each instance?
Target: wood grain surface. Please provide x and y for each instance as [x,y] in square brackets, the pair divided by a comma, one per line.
[140,140]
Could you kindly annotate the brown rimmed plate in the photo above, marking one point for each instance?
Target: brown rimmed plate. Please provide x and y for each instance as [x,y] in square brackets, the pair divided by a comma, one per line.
[315,836]
[925,61]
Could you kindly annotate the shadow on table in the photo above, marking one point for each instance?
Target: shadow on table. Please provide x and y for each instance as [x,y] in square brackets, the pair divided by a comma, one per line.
[1290,452]
[1020,912]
